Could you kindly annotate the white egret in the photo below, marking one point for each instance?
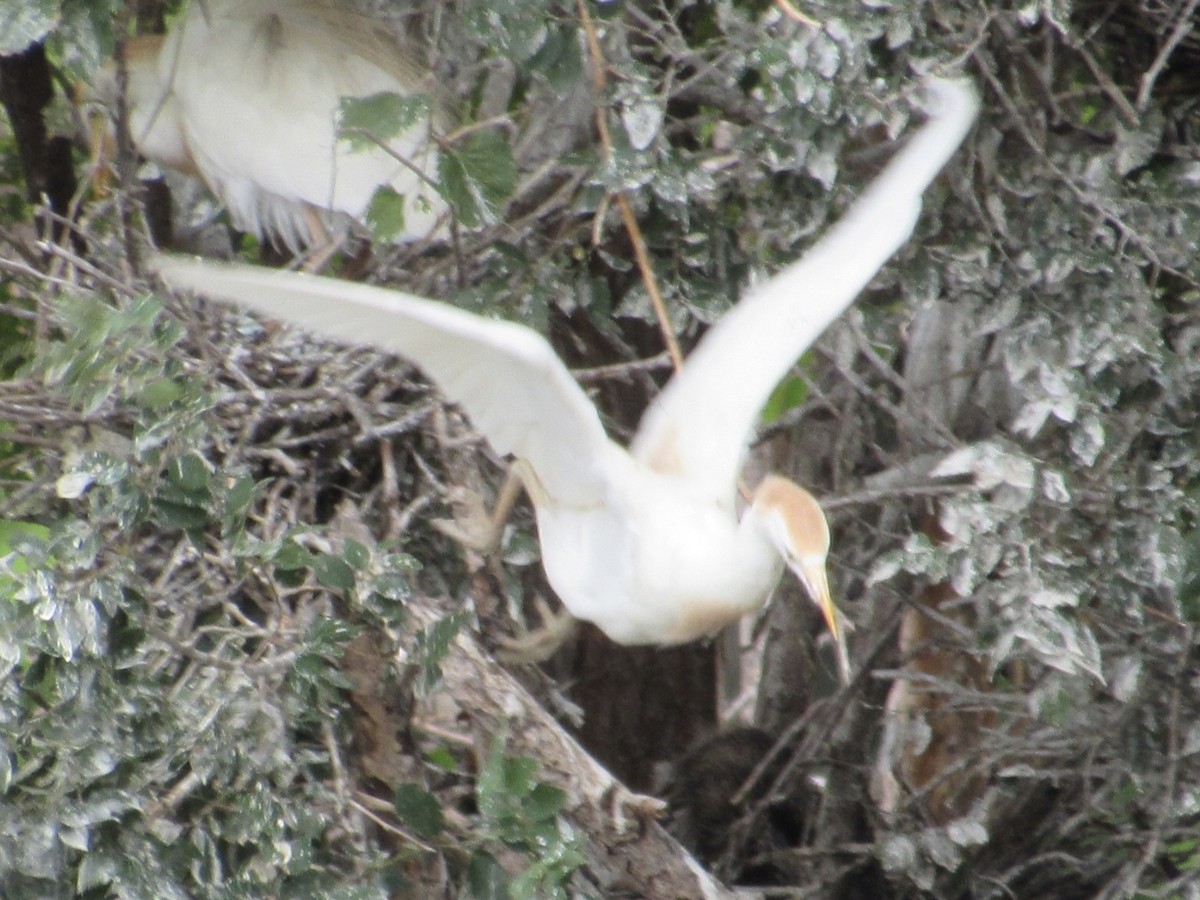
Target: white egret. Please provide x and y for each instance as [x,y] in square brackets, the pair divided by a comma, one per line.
[245,94]
[645,542]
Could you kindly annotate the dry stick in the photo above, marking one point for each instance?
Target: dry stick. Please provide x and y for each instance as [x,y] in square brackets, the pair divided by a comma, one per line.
[600,81]
[621,370]
[126,156]
[1183,27]
[792,13]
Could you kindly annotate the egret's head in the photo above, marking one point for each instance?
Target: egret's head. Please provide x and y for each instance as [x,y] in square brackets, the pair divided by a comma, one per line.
[797,527]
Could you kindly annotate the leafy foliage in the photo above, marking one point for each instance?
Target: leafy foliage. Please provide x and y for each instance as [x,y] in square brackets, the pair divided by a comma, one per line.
[522,813]
[184,598]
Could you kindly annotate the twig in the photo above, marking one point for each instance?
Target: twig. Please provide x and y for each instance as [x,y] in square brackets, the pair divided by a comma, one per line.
[341,786]
[16,268]
[795,15]
[1183,27]
[918,417]
[174,796]
[865,497]
[391,827]
[622,370]
[600,80]
[16,312]
[1126,110]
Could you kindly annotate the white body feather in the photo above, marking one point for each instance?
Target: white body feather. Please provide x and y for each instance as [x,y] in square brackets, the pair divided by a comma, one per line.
[248,97]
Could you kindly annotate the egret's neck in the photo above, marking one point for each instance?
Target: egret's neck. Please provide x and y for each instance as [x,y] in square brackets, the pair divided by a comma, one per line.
[756,547]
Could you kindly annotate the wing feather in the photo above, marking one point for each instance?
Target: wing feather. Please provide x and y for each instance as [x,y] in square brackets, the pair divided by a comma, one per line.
[507,378]
[697,428]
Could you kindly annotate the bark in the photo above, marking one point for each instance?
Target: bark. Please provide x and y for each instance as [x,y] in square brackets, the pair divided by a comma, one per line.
[25,90]
[629,853]
[643,706]
[46,162]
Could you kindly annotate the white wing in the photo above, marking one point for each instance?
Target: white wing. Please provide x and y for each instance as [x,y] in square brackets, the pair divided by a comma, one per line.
[507,378]
[698,426]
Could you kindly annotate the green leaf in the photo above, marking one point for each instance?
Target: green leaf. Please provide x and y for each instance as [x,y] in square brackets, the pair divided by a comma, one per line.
[159,393]
[385,214]
[514,29]
[455,186]
[183,516]
[505,786]
[6,768]
[489,162]
[366,121]
[74,625]
[790,393]
[335,678]
[327,634]
[520,547]
[477,177]
[432,645]
[333,572]
[183,499]
[486,878]
[239,497]
[191,473]
[97,870]
[545,802]
[237,501]
[13,533]
[356,555]
[419,810]
[559,59]
[442,758]
[490,787]
[316,670]
[291,556]
[522,814]
[519,773]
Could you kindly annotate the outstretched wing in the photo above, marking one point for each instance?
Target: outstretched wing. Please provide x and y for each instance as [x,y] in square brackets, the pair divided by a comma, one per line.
[507,378]
[698,426]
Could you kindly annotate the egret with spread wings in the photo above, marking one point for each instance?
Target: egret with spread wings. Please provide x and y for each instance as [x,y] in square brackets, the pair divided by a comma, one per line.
[645,542]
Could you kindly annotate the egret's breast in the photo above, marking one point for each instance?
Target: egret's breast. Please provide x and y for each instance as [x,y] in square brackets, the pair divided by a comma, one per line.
[587,558]
[702,617]
[659,570]
[707,579]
